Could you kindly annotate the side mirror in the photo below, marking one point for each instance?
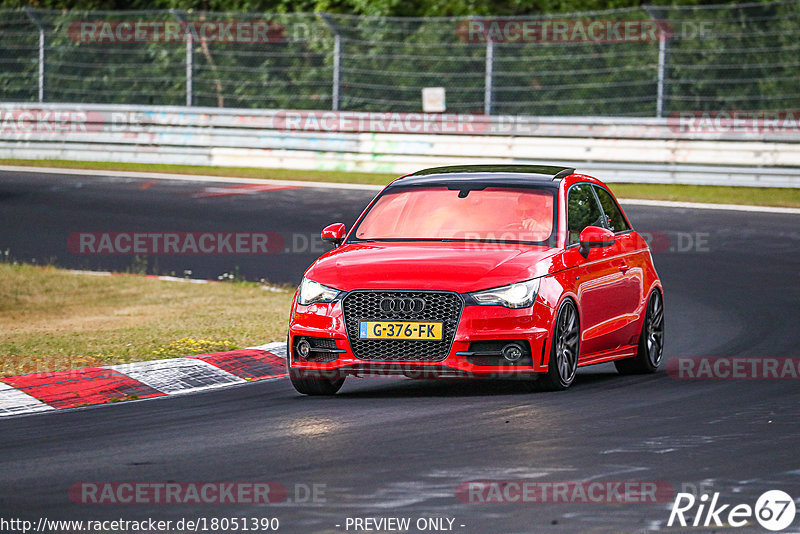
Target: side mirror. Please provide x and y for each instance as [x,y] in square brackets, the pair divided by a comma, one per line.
[334,233]
[594,237]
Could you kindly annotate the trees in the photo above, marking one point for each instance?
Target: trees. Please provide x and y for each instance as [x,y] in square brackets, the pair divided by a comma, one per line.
[384,8]
[721,57]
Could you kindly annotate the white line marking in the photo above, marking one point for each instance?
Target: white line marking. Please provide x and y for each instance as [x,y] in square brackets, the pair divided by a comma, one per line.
[152,277]
[168,279]
[189,177]
[176,279]
[363,187]
[704,206]
[91,273]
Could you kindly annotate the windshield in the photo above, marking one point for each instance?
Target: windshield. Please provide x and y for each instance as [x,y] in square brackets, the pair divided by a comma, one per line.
[516,214]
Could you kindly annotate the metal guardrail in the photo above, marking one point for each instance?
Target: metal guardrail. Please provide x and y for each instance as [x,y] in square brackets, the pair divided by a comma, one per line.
[616,149]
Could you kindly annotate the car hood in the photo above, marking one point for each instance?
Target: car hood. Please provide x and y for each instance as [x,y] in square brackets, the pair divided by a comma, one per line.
[460,267]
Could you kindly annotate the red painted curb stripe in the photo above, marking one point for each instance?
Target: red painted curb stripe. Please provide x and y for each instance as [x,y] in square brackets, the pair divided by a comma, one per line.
[250,364]
[81,387]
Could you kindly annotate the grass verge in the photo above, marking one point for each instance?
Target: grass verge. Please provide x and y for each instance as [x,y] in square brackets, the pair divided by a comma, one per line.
[52,319]
[236,172]
[759,196]
[713,194]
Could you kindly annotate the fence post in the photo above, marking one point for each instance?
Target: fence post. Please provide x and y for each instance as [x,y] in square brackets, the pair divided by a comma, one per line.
[179,16]
[337,59]
[337,54]
[36,20]
[189,69]
[661,96]
[487,84]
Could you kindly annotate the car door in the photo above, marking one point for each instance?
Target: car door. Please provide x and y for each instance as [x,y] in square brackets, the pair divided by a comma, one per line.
[597,276]
[628,259]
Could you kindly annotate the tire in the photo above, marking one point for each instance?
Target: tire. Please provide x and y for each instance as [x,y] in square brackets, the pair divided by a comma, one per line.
[315,386]
[651,341]
[311,385]
[564,350]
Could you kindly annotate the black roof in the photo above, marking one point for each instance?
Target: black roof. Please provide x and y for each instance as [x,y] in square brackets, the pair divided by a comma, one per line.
[482,175]
[549,171]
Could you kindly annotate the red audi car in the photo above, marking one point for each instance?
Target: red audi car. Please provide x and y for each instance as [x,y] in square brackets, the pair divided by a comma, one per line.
[525,272]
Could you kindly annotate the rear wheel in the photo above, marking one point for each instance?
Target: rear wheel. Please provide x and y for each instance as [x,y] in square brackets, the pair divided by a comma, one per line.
[564,347]
[651,342]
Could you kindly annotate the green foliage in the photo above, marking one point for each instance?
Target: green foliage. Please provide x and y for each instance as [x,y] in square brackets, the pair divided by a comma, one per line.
[721,57]
[395,8]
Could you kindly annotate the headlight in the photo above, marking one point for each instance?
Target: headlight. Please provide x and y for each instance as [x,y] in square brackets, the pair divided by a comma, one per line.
[311,292]
[519,295]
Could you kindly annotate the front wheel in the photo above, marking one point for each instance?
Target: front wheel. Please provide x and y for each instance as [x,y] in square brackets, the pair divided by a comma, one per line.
[310,385]
[651,341]
[315,385]
[564,348]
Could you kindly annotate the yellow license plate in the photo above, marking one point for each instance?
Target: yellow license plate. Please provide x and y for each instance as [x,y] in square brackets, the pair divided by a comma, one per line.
[399,330]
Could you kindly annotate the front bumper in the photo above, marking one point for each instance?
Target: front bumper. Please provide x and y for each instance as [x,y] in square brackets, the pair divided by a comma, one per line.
[476,324]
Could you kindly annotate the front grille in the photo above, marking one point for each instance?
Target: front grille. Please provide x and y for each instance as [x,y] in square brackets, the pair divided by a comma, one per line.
[440,306]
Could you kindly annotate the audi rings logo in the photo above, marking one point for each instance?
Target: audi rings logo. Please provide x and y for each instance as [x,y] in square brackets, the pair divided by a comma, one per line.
[402,305]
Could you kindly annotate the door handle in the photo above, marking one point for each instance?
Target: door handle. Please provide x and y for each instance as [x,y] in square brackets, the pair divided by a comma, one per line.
[624,268]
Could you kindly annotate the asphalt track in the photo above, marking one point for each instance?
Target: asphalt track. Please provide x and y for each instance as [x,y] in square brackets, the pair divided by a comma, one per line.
[400,448]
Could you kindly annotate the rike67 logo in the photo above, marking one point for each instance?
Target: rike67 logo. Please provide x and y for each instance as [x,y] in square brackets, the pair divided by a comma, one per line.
[774,510]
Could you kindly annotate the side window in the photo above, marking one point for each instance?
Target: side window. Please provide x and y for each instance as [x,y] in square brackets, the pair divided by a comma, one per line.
[582,211]
[616,221]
